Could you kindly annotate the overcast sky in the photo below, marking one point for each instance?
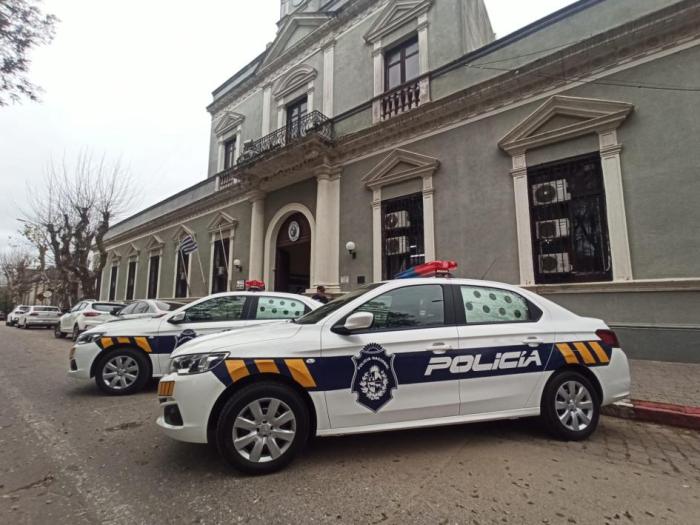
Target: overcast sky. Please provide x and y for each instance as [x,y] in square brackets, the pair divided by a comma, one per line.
[131,80]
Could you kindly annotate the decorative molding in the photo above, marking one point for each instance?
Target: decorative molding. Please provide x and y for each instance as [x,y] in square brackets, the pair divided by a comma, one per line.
[182,231]
[640,285]
[228,121]
[297,78]
[394,15]
[415,165]
[155,243]
[222,221]
[289,27]
[592,115]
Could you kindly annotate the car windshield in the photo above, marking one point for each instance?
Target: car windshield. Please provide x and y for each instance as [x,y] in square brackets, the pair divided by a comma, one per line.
[169,306]
[46,309]
[315,316]
[105,307]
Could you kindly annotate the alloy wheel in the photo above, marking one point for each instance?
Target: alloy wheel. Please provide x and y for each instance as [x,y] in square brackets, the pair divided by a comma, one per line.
[120,372]
[574,406]
[264,430]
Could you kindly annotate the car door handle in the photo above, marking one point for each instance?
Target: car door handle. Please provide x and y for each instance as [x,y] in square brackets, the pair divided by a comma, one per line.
[533,341]
[439,348]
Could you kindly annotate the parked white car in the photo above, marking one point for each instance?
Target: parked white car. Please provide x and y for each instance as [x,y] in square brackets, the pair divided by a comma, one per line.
[13,316]
[45,316]
[85,315]
[123,356]
[146,308]
[401,354]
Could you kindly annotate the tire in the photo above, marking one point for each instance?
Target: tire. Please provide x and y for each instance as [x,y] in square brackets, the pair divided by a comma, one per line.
[76,333]
[570,406]
[57,332]
[25,325]
[114,371]
[239,406]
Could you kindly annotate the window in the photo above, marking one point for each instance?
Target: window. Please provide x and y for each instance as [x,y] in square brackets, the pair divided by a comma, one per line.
[229,153]
[279,308]
[569,226]
[130,280]
[217,309]
[219,278]
[402,234]
[142,307]
[401,64]
[492,305]
[113,283]
[409,307]
[105,307]
[153,275]
[182,285]
[296,111]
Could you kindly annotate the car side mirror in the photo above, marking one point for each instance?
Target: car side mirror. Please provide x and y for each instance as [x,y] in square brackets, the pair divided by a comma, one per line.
[355,322]
[116,310]
[177,318]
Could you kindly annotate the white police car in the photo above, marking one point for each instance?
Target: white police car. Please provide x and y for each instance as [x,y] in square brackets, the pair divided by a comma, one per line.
[122,356]
[400,354]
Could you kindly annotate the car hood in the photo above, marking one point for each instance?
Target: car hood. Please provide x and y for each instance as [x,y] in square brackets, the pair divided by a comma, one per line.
[238,337]
[127,327]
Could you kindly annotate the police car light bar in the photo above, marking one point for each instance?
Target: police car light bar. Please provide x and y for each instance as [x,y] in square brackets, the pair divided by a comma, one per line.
[255,286]
[435,268]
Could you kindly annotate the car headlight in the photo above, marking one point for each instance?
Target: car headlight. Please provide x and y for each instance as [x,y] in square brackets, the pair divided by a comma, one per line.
[88,337]
[196,363]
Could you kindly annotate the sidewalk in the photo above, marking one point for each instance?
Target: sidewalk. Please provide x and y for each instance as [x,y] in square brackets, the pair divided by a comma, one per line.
[666,393]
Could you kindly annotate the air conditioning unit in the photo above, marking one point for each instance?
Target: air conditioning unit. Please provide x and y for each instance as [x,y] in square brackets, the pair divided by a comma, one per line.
[555,263]
[396,219]
[397,246]
[550,192]
[552,229]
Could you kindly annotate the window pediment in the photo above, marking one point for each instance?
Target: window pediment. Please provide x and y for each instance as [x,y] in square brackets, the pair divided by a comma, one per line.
[400,165]
[295,79]
[395,15]
[562,118]
[222,222]
[305,23]
[182,231]
[154,243]
[228,122]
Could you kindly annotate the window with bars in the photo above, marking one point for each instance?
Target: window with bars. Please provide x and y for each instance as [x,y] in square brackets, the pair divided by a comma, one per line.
[402,234]
[181,277]
[219,278]
[569,226]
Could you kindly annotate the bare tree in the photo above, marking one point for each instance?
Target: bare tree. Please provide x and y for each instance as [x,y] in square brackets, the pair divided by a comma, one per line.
[22,27]
[71,216]
[16,268]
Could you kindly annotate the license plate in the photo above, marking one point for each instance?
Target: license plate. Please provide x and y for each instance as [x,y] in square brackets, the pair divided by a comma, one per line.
[166,388]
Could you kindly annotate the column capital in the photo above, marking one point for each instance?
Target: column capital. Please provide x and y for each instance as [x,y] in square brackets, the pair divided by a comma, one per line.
[328,172]
[255,195]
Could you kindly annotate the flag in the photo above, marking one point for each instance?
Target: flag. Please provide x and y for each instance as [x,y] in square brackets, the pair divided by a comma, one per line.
[188,245]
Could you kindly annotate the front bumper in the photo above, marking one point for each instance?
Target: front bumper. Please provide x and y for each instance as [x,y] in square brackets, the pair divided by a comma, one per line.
[192,397]
[81,359]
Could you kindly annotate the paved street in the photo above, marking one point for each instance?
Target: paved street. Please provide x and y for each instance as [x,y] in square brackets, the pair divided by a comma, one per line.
[68,454]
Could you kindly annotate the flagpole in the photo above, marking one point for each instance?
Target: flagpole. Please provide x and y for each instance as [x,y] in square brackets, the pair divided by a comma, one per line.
[201,268]
[187,272]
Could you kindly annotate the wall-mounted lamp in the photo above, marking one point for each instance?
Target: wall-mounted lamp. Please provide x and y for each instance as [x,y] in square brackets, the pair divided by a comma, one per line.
[351,247]
[237,265]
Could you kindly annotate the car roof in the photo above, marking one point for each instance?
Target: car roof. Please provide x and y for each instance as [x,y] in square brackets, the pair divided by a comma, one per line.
[453,280]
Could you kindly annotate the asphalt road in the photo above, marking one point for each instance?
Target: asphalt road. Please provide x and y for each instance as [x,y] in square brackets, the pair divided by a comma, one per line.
[71,455]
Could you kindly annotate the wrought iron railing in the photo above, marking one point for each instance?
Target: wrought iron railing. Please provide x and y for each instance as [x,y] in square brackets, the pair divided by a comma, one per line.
[314,123]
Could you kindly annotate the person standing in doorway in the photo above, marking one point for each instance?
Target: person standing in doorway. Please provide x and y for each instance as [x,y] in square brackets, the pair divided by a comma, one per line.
[320,295]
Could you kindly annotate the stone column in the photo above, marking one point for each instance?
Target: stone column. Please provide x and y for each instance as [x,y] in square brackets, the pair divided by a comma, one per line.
[257,235]
[327,243]
[377,235]
[428,219]
[522,213]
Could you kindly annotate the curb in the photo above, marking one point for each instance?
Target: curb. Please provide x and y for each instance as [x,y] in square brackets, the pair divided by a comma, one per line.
[661,413]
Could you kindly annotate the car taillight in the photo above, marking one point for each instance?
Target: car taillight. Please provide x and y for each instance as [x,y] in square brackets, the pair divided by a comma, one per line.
[91,314]
[608,337]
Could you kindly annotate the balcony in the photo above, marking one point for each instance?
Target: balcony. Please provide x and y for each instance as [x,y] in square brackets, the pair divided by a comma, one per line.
[402,99]
[275,151]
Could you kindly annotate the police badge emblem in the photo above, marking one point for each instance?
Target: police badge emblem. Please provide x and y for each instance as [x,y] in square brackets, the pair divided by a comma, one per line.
[185,335]
[374,377]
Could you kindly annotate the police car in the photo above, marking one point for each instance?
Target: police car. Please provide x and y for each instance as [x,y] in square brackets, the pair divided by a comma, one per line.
[122,356]
[393,355]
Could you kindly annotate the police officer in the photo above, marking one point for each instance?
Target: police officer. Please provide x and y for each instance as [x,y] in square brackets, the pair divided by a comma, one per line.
[320,295]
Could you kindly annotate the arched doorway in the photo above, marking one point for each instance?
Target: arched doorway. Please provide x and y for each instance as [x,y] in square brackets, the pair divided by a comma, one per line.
[293,255]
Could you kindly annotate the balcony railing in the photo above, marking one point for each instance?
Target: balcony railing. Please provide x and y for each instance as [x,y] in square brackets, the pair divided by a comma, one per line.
[403,98]
[314,123]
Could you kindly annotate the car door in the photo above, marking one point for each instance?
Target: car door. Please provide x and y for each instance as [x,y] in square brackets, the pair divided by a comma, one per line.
[68,320]
[377,376]
[504,344]
[205,317]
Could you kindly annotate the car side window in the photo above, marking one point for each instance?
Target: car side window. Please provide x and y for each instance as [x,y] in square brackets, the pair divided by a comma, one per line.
[483,305]
[141,307]
[279,308]
[77,307]
[217,309]
[410,307]
[128,309]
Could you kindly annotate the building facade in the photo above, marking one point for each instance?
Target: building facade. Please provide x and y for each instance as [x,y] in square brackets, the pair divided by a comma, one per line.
[373,135]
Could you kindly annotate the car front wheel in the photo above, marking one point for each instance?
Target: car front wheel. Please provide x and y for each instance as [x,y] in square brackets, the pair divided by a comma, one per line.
[122,372]
[570,406]
[262,428]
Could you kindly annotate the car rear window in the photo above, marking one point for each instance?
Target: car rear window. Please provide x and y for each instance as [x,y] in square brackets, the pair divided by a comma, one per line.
[105,307]
[46,309]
